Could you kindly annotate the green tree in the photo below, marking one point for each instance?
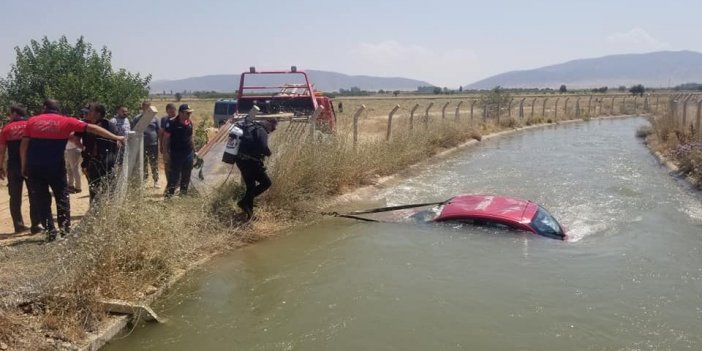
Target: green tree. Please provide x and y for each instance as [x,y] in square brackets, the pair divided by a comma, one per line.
[563,89]
[73,74]
[178,96]
[496,98]
[637,90]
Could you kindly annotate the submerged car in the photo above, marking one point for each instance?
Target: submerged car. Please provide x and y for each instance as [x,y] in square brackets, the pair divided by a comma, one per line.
[501,211]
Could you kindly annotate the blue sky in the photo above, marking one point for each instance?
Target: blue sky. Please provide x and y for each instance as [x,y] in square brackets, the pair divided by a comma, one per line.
[447,43]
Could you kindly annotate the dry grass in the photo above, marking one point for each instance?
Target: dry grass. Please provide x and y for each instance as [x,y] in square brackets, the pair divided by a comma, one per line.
[682,143]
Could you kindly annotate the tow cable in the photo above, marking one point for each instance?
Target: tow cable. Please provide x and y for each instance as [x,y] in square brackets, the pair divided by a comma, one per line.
[355,214]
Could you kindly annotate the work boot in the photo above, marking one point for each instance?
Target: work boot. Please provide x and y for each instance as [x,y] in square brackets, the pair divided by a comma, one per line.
[248,211]
[35,229]
[51,235]
[21,228]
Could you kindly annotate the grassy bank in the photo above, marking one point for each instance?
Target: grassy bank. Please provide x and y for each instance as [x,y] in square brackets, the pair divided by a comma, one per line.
[50,292]
[680,143]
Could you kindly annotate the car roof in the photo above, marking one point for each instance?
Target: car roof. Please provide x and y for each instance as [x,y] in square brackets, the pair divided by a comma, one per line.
[488,207]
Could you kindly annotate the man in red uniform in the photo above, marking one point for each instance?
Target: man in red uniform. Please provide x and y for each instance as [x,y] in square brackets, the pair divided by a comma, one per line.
[10,139]
[43,163]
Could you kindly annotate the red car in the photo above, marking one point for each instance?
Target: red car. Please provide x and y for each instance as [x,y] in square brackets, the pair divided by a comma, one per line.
[495,210]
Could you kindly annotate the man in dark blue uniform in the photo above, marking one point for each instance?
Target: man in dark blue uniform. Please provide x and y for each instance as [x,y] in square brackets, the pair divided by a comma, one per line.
[179,150]
[99,154]
[254,148]
[42,161]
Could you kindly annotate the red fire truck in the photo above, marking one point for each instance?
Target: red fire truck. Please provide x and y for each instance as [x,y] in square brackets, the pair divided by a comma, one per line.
[284,95]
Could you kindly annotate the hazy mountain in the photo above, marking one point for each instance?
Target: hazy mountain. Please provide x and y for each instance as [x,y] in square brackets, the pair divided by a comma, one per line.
[322,80]
[656,69]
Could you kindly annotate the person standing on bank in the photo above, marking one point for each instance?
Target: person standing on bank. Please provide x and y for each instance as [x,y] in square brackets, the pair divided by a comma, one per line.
[42,163]
[99,154]
[10,139]
[178,141]
[121,121]
[164,122]
[252,151]
[72,154]
[150,144]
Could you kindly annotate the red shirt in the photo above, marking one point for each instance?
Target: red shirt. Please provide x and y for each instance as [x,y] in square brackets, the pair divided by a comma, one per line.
[48,134]
[11,136]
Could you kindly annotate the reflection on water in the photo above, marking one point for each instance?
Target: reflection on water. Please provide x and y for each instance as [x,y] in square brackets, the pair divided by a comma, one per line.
[630,280]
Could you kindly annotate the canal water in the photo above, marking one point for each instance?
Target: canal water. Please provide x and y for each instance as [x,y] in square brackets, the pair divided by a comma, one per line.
[629,279]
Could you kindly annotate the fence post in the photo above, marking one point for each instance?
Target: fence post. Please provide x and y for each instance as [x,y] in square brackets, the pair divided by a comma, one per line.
[521,108]
[387,136]
[657,109]
[485,112]
[472,103]
[589,107]
[622,109]
[611,112]
[458,110]
[543,108]
[426,116]
[684,116]
[509,108]
[565,108]
[555,110]
[443,110]
[411,124]
[498,113]
[533,103]
[355,124]
[577,108]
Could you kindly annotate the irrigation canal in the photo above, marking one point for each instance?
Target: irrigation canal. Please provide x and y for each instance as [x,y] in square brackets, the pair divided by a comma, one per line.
[631,278]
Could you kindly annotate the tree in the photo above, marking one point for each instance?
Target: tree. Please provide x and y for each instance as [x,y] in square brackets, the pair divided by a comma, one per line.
[437,90]
[396,93]
[563,89]
[494,99]
[178,96]
[73,74]
[637,90]
[460,89]
[622,88]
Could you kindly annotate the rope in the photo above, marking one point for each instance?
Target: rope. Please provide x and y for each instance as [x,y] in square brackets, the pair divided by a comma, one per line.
[355,214]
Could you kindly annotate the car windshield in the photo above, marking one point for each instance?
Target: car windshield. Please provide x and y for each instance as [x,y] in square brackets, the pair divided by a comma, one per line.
[546,225]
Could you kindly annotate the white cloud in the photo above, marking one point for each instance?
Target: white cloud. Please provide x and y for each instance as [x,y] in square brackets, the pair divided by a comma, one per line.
[637,39]
[449,67]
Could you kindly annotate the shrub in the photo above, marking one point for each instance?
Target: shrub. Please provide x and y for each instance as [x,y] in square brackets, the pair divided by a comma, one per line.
[644,131]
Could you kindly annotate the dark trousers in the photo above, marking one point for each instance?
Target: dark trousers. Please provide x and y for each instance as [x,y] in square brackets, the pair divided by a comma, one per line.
[179,169]
[151,156]
[15,183]
[253,171]
[100,179]
[41,178]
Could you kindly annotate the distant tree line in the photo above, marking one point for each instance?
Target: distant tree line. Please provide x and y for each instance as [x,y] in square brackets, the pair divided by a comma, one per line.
[689,86]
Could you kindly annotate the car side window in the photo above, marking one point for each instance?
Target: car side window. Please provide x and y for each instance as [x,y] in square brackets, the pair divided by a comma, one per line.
[482,223]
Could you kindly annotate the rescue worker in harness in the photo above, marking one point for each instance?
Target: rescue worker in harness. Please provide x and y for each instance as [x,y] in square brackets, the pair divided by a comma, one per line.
[252,150]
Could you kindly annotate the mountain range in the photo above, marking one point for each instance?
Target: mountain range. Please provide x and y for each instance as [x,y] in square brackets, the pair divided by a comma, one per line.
[322,80]
[656,69]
